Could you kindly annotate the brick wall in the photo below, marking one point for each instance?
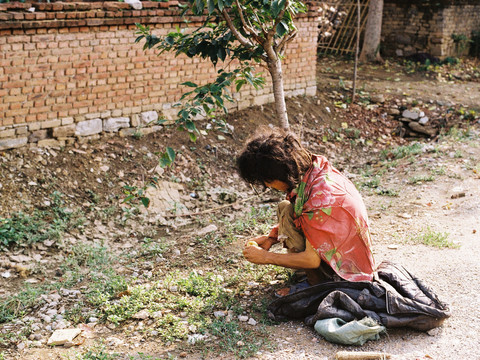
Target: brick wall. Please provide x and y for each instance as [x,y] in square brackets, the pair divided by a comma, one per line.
[427,26]
[72,70]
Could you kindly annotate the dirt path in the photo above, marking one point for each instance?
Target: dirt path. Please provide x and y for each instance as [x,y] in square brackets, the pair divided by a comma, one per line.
[437,188]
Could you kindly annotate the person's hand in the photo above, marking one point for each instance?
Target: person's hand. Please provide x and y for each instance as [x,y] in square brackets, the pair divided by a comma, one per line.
[262,241]
[254,254]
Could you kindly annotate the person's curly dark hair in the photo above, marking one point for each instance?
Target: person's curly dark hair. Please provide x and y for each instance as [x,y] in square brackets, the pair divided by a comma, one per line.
[273,154]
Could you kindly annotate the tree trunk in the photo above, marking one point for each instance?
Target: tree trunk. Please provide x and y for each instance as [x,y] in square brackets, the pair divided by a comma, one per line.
[373,31]
[275,70]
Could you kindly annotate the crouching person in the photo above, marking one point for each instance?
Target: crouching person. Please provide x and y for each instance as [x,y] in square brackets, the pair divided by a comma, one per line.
[323,221]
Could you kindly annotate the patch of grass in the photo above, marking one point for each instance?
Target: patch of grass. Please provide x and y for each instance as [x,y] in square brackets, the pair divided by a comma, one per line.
[433,238]
[460,134]
[419,179]
[386,192]
[440,170]
[18,305]
[97,352]
[152,248]
[233,339]
[11,338]
[402,151]
[371,183]
[257,221]
[23,229]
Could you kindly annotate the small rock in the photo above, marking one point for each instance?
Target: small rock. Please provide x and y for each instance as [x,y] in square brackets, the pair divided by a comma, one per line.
[252,322]
[193,339]
[410,114]
[458,195]
[92,319]
[176,252]
[21,346]
[141,315]
[219,314]
[206,230]
[423,120]
[240,343]
[405,216]
[392,247]
[183,354]
[157,314]
[242,318]
[61,337]
[6,274]
[377,98]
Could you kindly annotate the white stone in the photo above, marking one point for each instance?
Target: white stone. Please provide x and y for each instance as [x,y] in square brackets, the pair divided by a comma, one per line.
[148,118]
[423,120]
[219,314]
[115,124]
[208,229]
[252,322]
[141,315]
[89,127]
[242,318]
[60,337]
[136,4]
[410,114]
[13,143]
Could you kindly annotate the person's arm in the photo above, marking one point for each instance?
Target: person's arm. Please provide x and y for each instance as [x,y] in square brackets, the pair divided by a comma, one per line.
[264,241]
[308,259]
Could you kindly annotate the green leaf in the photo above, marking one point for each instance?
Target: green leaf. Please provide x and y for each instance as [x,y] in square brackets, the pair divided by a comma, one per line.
[240,83]
[275,8]
[310,215]
[327,211]
[220,5]
[282,28]
[199,6]
[145,201]
[193,136]
[190,84]
[171,154]
[211,6]
[190,125]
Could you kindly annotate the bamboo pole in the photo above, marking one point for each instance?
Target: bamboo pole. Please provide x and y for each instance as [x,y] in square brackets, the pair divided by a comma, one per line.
[361,355]
[354,90]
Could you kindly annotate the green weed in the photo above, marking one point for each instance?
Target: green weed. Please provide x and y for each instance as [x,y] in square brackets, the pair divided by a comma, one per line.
[235,340]
[152,248]
[40,225]
[441,170]
[433,238]
[257,221]
[18,305]
[386,192]
[402,151]
[419,179]
[97,352]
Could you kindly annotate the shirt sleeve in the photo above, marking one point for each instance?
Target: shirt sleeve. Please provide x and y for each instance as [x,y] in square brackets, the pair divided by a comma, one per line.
[274,233]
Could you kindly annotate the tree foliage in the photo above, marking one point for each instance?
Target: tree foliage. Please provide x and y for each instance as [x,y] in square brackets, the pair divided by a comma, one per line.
[247,31]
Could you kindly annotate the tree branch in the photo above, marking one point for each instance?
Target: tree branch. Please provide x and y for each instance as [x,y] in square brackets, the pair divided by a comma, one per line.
[271,32]
[248,28]
[285,41]
[245,42]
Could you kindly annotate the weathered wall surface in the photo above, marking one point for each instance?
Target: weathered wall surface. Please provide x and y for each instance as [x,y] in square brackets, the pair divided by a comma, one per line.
[72,70]
[427,26]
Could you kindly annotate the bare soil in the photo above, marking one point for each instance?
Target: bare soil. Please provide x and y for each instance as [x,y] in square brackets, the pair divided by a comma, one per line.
[91,177]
